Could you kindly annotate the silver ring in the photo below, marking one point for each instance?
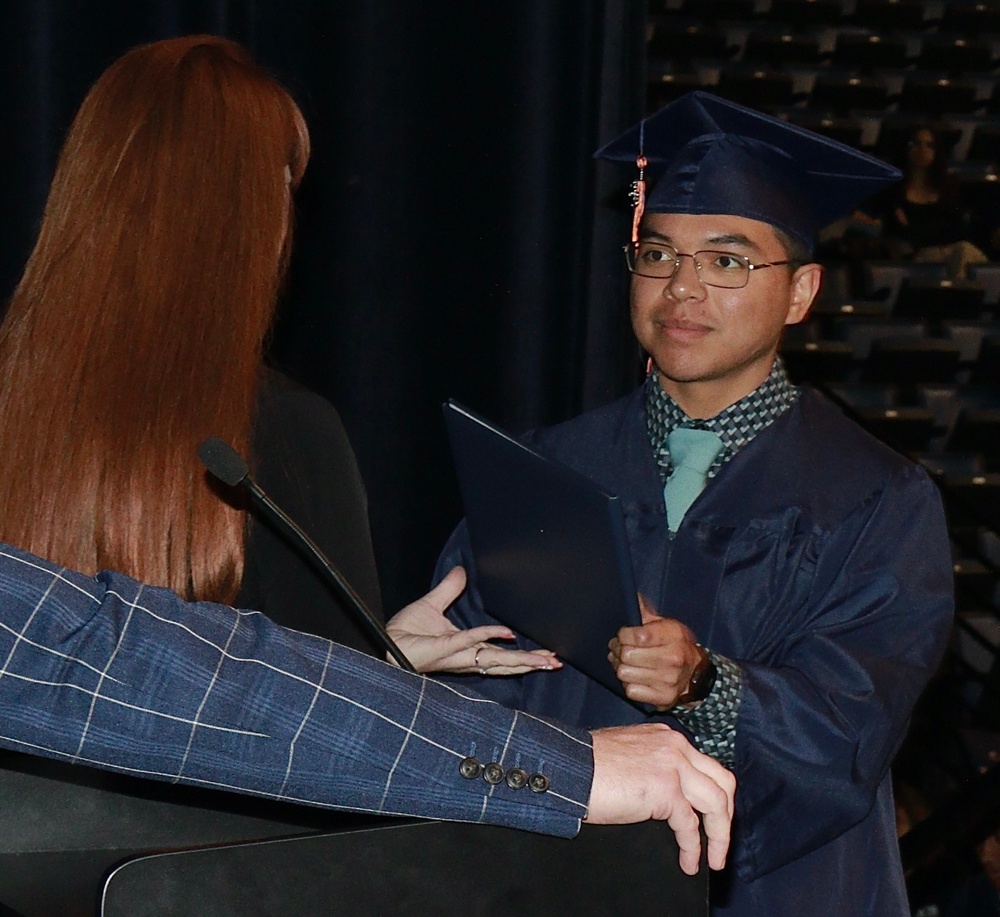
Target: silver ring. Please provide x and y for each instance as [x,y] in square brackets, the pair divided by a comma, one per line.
[475,662]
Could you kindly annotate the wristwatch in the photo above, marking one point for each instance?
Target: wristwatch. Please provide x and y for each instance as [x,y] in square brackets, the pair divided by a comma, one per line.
[702,680]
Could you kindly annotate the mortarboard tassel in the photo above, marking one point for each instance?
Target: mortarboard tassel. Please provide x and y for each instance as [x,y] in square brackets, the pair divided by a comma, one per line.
[638,192]
[638,196]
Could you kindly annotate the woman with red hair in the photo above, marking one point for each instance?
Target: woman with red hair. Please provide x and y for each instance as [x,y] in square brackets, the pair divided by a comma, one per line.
[138,330]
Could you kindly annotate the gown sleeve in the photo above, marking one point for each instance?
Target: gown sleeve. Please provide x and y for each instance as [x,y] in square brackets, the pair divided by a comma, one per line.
[825,708]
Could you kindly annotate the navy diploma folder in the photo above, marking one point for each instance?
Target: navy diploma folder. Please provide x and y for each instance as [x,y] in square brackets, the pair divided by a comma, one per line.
[552,558]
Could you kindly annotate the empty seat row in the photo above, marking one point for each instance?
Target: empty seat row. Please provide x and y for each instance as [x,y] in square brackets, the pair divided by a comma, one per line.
[894,350]
[896,359]
[932,301]
[927,95]
[889,135]
[907,426]
[959,425]
[967,17]
[862,49]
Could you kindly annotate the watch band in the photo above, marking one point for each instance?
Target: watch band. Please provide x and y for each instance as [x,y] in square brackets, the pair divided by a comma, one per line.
[702,680]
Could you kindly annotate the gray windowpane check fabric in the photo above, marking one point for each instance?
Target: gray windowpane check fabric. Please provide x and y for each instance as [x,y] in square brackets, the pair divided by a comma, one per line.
[107,672]
[713,722]
[736,426]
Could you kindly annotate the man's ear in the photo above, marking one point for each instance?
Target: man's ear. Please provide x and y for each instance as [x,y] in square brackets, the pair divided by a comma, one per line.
[806,282]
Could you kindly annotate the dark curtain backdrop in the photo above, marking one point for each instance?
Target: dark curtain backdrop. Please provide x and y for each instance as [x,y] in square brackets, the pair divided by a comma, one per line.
[454,237]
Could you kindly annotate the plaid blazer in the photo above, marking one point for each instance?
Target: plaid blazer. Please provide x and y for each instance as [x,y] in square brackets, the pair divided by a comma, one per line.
[110,673]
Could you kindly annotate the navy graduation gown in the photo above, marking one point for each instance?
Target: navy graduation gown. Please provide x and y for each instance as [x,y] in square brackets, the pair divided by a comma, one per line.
[817,559]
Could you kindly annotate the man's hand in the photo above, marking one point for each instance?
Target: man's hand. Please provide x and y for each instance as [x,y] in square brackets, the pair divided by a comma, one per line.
[651,771]
[433,644]
[655,661]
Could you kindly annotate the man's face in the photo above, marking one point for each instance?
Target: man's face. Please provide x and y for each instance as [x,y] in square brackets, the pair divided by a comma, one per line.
[711,345]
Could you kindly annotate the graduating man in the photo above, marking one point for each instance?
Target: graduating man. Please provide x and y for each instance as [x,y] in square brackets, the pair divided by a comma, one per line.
[107,672]
[796,606]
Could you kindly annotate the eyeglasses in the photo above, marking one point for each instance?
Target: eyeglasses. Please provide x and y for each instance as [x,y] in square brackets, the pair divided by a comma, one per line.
[715,269]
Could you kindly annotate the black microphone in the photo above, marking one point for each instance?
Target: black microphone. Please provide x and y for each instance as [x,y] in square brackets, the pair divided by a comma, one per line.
[225,463]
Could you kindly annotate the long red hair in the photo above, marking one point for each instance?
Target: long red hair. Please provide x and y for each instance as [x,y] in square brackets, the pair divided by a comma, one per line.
[138,327]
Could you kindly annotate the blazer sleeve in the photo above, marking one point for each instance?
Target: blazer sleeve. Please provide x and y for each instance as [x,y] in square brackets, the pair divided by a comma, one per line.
[110,673]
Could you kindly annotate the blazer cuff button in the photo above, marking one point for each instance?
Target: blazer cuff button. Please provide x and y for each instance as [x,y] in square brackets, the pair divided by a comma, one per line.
[517,778]
[470,768]
[493,773]
[538,783]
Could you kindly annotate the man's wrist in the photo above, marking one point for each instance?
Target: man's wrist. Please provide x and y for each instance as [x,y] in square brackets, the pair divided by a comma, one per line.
[702,681]
[712,722]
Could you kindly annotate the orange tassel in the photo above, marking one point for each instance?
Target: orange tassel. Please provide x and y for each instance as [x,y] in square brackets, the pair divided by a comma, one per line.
[638,195]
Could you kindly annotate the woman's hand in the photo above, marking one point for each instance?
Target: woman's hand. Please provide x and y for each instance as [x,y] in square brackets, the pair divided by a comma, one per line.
[433,644]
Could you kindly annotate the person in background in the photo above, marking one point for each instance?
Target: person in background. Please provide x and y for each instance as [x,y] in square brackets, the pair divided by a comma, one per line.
[922,218]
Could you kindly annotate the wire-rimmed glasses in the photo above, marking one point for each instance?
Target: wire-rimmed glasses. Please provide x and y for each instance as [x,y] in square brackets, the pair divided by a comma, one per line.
[715,268]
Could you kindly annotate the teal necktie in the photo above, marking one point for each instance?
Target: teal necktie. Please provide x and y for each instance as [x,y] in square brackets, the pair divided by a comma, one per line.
[691,455]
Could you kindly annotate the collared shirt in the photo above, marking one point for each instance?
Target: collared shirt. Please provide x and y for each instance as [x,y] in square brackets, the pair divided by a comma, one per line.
[736,426]
[713,722]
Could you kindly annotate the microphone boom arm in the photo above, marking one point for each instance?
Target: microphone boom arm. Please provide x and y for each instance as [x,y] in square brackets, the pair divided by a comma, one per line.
[375,627]
[226,464]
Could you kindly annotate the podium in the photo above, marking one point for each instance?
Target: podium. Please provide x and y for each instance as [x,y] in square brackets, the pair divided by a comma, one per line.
[83,842]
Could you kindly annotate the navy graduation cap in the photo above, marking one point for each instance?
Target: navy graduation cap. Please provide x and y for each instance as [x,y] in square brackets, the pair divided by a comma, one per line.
[705,154]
